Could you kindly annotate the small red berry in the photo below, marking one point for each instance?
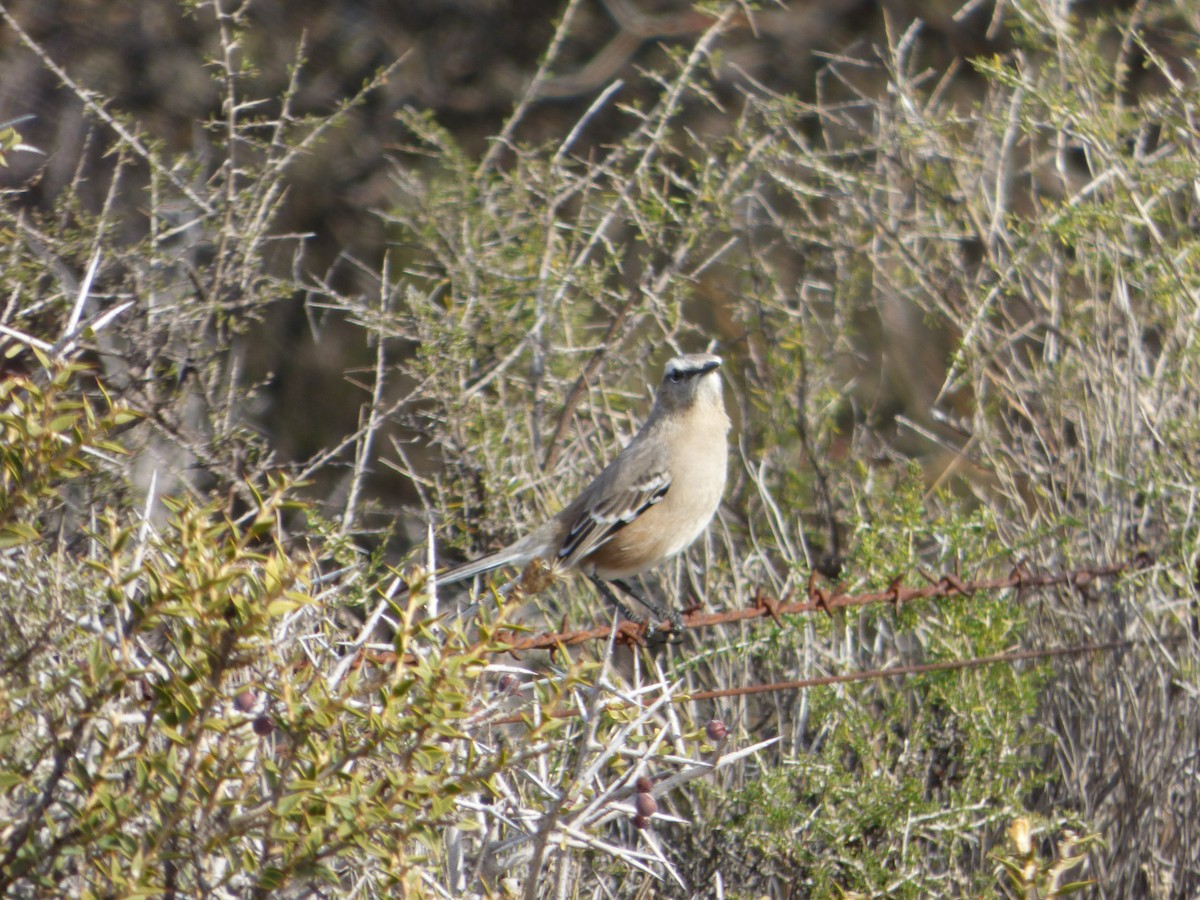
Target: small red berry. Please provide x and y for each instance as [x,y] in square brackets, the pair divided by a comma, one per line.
[716,730]
[646,805]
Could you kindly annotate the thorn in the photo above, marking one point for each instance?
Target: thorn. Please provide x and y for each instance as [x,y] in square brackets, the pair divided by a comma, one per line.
[508,637]
[952,584]
[630,633]
[762,601]
[895,586]
[1082,582]
[820,599]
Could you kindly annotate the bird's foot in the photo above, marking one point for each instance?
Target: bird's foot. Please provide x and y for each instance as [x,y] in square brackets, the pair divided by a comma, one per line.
[674,635]
[651,623]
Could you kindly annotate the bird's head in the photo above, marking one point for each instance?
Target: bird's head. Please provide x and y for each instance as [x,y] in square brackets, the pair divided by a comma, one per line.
[690,380]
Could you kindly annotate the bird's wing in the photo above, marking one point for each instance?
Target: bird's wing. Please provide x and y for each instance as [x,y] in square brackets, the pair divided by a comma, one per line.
[632,483]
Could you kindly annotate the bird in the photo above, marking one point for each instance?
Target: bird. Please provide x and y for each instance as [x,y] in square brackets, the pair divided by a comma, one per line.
[649,504]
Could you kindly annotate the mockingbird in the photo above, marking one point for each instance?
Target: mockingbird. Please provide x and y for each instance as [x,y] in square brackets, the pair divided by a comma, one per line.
[647,505]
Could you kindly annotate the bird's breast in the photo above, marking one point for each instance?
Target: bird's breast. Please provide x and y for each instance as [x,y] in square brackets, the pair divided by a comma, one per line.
[669,527]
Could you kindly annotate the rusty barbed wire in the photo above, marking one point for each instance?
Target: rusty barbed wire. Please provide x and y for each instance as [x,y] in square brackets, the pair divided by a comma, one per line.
[950,665]
[820,599]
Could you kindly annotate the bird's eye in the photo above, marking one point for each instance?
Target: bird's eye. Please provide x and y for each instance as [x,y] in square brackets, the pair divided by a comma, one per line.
[676,375]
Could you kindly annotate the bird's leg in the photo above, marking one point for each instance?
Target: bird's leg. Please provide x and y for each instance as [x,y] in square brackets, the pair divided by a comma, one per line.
[607,594]
[659,612]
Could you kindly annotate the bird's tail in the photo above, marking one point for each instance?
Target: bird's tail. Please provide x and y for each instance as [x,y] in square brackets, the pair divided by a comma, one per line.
[537,543]
[513,555]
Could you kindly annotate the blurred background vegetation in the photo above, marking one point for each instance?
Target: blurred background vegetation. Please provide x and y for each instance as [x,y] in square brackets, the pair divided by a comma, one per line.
[282,286]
